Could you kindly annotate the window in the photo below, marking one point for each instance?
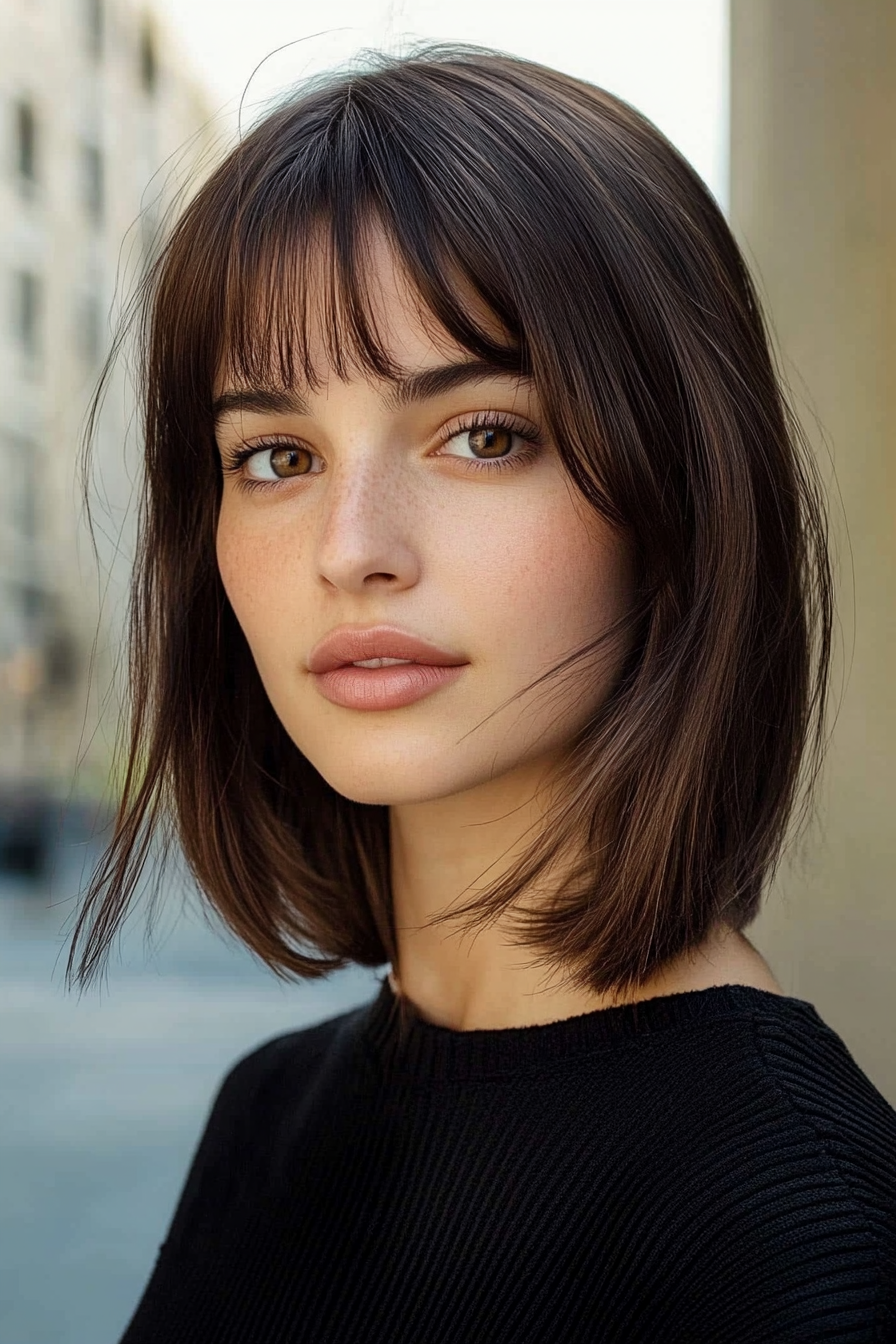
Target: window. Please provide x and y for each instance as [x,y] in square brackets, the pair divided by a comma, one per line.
[149,64]
[31,601]
[26,141]
[89,333]
[94,25]
[62,661]
[27,312]
[149,232]
[26,503]
[93,184]
[19,458]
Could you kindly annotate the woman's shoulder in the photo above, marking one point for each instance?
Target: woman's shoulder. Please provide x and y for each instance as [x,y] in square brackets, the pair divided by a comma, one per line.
[812,1153]
[810,1065]
[281,1061]
[773,1162]
[811,1082]
[813,1071]
[256,1092]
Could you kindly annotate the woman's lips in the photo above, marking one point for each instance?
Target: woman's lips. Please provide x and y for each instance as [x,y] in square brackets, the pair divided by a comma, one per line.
[384,687]
[358,644]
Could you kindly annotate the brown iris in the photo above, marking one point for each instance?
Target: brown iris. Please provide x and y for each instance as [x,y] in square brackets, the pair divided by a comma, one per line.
[290,461]
[492,441]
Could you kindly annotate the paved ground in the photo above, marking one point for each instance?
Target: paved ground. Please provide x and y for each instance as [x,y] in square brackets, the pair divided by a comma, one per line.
[102,1098]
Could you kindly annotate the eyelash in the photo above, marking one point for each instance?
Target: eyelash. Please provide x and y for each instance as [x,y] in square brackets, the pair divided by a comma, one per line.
[234,458]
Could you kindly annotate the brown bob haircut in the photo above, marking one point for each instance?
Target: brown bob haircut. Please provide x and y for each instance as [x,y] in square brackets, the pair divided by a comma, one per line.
[623,295]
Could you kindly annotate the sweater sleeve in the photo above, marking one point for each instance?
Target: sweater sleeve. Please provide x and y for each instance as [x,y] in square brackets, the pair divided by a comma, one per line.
[216,1162]
[798,1239]
[214,1172]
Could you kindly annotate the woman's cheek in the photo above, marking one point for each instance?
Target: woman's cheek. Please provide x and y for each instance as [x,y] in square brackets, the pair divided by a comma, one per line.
[244,564]
[233,566]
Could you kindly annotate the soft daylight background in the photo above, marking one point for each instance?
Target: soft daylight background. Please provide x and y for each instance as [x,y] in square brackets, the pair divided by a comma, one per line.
[110,108]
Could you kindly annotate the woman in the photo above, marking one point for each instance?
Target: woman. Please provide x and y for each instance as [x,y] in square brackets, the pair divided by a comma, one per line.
[482,559]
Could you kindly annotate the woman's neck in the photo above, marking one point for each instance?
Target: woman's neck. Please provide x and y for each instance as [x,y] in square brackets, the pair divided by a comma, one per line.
[500,1000]
[443,853]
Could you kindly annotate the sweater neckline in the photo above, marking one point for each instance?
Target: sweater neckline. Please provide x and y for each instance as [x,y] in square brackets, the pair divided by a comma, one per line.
[425,1052]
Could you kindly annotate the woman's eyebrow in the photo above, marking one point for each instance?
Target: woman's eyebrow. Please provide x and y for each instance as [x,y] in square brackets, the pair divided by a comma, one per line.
[445,377]
[261,400]
[413,387]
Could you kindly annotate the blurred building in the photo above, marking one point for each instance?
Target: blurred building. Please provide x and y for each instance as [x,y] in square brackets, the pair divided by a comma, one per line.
[96,115]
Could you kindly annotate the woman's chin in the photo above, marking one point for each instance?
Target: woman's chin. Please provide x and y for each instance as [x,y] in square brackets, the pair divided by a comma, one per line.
[405,783]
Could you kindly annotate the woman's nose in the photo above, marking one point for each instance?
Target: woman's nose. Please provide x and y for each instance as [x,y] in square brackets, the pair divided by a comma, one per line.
[366,530]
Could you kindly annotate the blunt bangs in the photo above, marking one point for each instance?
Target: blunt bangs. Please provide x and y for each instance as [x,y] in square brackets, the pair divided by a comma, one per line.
[550,230]
[296,281]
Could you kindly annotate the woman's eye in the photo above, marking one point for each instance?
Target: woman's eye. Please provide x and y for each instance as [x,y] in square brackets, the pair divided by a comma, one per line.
[485,441]
[279,463]
[487,446]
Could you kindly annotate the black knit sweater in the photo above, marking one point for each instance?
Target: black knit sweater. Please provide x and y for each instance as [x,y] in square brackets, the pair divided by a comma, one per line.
[709,1166]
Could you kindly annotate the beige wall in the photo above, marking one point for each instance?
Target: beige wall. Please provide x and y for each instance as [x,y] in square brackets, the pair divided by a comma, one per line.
[813,203]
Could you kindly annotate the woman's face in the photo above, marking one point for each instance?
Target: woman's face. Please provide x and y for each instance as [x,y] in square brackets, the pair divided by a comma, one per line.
[363,507]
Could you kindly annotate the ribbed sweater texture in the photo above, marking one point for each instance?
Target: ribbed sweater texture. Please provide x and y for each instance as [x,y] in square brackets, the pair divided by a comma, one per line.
[705,1166]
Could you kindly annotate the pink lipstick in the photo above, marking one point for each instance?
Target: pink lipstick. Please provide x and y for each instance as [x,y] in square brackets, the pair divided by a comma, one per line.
[405,667]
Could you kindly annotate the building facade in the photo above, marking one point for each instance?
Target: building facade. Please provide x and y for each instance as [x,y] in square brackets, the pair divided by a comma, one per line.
[99,126]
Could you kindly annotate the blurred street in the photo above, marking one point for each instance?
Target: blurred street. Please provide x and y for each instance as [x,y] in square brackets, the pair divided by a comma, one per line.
[103,1099]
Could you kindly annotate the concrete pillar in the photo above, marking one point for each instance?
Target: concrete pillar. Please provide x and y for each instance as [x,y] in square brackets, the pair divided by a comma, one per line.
[813,204]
